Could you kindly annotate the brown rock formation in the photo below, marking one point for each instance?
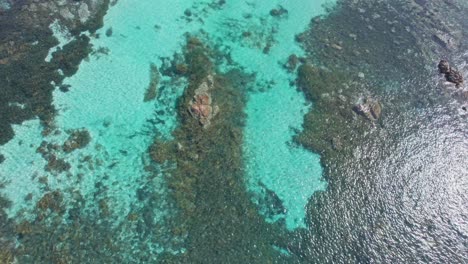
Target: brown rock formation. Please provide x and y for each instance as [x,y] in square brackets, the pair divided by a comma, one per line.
[201,106]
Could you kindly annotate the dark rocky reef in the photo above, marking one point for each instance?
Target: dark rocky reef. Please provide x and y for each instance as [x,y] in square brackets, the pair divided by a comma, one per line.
[451,75]
[25,39]
[402,27]
[152,90]
[216,214]
[335,95]
[26,93]
[384,51]
[78,139]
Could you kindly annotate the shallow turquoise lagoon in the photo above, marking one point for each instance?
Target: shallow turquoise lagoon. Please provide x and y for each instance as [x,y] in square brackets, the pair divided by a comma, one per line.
[106,99]
[125,172]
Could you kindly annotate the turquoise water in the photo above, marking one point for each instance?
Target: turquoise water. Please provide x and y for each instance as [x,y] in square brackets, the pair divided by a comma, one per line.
[106,99]
[273,116]
[397,185]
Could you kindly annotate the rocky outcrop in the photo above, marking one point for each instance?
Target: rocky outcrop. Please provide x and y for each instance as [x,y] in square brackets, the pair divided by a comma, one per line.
[444,66]
[451,75]
[201,107]
[369,108]
[278,12]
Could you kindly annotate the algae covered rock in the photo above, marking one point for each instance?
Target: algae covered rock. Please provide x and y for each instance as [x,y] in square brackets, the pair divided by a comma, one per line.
[52,201]
[315,81]
[444,66]
[151,91]
[78,139]
[292,62]
[201,105]
[454,77]
[370,108]
[451,75]
[6,256]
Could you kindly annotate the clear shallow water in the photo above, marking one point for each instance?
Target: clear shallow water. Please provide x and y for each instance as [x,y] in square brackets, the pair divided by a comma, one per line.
[273,116]
[106,100]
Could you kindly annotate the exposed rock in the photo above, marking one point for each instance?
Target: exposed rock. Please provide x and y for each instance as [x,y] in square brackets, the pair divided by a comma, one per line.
[444,66]
[451,75]
[201,105]
[376,109]
[370,108]
[454,77]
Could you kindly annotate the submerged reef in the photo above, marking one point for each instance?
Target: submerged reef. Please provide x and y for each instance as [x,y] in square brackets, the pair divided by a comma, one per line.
[152,90]
[25,40]
[451,75]
[216,216]
[78,139]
